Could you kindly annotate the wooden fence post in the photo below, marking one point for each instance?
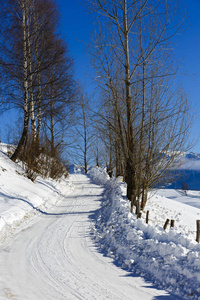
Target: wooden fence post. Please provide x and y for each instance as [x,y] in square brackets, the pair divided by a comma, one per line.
[172,223]
[132,203]
[147,217]
[137,211]
[166,223]
[198,231]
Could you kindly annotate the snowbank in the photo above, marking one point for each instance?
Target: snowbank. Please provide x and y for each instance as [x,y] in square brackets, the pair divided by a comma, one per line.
[20,198]
[170,258]
[98,175]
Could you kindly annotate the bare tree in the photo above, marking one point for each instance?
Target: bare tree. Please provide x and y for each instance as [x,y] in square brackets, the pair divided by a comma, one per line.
[84,131]
[132,60]
[58,97]
[37,69]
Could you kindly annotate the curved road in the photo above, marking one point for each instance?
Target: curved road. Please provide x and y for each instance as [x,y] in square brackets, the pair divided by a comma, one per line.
[53,257]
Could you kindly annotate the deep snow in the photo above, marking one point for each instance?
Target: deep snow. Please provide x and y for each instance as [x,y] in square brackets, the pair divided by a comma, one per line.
[170,258]
[20,197]
[76,239]
[51,255]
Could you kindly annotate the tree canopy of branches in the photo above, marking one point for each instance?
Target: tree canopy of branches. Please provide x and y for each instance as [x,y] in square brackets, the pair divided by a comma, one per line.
[37,71]
[146,116]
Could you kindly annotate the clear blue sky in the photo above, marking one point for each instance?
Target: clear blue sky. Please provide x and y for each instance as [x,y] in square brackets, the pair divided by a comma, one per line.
[76,26]
[189,49]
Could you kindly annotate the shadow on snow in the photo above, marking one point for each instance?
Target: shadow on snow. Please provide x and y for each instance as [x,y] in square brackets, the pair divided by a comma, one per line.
[93,216]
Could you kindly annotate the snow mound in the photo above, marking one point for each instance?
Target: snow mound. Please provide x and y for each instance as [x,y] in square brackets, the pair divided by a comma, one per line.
[170,258]
[98,175]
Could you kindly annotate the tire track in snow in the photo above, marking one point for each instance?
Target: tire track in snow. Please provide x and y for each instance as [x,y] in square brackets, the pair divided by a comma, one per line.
[55,258]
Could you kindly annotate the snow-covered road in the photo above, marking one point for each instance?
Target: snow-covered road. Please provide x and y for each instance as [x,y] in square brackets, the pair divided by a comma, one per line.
[54,257]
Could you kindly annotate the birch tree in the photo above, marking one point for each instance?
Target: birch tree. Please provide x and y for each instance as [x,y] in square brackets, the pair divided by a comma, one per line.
[33,61]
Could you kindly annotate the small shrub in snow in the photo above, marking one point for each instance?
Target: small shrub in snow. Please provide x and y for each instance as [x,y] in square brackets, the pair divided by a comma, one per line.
[43,165]
[51,167]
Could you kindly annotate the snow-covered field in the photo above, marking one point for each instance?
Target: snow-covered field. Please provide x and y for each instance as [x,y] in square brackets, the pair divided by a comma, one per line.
[76,239]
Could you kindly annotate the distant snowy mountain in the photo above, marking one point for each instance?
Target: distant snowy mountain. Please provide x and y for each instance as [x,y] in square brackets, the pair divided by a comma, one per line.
[187,171]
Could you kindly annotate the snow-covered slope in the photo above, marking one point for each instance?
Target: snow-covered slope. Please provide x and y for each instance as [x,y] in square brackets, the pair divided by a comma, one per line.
[20,198]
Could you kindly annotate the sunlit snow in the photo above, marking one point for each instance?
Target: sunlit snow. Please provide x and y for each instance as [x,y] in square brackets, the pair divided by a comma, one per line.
[76,239]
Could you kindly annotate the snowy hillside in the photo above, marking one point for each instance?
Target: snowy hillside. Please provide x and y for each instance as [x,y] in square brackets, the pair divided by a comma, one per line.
[20,198]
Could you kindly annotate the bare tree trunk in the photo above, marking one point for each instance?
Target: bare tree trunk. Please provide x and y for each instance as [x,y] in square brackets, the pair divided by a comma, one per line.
[85,153]
[85,136]
[130,176]
[30,52]
[25,85]
[39,117]
[52,127]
